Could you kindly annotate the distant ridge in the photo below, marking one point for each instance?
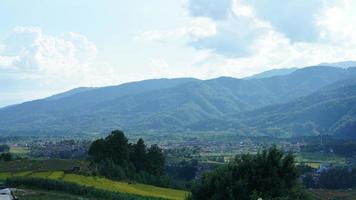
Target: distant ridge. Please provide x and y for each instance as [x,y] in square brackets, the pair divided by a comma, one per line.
[273,72]
[173,105]
[343,64]
[69,93]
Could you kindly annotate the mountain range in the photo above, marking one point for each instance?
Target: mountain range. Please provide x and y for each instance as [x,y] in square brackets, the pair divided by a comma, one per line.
[292,102]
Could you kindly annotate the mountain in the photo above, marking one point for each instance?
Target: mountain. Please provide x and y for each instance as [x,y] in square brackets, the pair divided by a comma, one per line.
[344,64]
[273,72]
[69,93]
[331,110]
[164,105]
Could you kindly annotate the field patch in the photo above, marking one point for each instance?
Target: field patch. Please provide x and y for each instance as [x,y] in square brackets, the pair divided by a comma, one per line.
[103,184]
[42,165]
[20,150]
[324,194]
[25,194]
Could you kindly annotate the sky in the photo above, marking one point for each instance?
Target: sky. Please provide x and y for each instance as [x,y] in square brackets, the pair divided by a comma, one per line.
[48,47]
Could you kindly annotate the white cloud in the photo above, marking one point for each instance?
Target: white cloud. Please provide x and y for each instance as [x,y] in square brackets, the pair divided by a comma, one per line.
[338,23]
[50,59]
[199,27]
[32,60]
[247,42]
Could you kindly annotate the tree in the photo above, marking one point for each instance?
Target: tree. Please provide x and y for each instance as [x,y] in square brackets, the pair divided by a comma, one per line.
[337,178]
[270,174]
[139,155]
[156,160]
[6,157]
[4,148]
[97,150]
[118,147]
[115,158]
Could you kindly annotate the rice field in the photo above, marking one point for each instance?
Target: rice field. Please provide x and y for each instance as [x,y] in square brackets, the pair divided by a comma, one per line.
[103,183]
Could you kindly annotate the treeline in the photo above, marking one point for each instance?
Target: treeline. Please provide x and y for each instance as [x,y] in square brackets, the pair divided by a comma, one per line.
[342,148]
[6,157]
[334,178]
[65,149]
[5,154]
[71,188]
[269,175]
[4,148]
[115,158]
[184,170]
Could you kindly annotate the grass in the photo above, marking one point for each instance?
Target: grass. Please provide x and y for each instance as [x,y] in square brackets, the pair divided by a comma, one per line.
[105,184]
[316,159]
[57,175]
[45,195]
[4,175]
[40,174]
[25,173]
[20,150]
[323,194]
[124,187]
[41,165]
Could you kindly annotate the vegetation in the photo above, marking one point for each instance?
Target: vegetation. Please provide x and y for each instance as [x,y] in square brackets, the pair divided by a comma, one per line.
[19,150]
[4,148]
[70,188]
[309,101]
[92,183]
[26,194]
[322,194]
[334,178]
[339,147]
[270,174]
[6,157]
[115,158]
[43,165]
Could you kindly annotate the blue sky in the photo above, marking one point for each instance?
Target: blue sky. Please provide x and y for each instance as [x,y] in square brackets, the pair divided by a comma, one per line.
[52,46]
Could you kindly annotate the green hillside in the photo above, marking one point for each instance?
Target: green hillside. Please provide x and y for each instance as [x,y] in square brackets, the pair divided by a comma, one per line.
[329,111]
[167,105]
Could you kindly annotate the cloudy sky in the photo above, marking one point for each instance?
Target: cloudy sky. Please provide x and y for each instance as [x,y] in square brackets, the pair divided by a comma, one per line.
[52,46]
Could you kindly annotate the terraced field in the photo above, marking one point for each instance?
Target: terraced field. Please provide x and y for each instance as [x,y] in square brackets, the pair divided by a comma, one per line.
[102,183]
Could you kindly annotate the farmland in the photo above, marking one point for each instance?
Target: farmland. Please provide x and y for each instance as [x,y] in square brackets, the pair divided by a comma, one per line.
[323,194]
[19,150]
[102,183]
[41,165]
[26,194]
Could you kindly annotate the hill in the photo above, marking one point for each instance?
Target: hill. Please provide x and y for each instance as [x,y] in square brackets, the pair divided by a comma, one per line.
[163,105]
[331,110]
[273,72]
[344,64]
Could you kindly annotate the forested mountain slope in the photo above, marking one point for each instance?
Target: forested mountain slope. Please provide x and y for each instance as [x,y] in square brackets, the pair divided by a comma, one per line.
[164,105]
[331,110]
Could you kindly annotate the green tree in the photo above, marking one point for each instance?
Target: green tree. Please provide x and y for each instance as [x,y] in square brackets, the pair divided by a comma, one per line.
[270,174]
[118,147]
[4,148]
[97,150]
[115,158]
[139,155]
[6,157]
[156,160]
